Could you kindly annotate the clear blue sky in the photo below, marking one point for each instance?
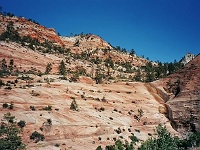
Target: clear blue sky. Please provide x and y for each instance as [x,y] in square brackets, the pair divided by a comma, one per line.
[162,30]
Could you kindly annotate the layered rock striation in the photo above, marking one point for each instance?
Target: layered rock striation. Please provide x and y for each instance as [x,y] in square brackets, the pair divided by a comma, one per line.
[183,89]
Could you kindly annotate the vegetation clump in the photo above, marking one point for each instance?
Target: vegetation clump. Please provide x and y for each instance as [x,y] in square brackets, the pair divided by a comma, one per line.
[6,105]
[32,108]
[36,136]
[74,105]
[162,141]
[21,124]
[47,108]
[62,68]
[48,68]
[6,69]
[9,134]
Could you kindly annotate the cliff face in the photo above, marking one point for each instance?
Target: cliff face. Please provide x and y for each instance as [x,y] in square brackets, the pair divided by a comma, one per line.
[183,87]
[85,41]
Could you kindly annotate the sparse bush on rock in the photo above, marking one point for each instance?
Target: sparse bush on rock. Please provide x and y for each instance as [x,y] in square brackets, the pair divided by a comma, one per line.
[21,123]
[74,105]
[5,105]
[47,108]
[36,136]
[32,108]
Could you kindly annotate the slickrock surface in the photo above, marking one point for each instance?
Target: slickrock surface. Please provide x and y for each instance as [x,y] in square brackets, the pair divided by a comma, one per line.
[101,110]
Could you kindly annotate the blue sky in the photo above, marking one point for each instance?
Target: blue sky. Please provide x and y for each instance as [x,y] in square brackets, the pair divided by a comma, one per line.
[162,30]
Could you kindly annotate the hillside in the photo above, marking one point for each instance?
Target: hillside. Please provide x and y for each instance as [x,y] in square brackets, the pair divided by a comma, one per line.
[87,48]
[99,56]
[103,108]
[80,92]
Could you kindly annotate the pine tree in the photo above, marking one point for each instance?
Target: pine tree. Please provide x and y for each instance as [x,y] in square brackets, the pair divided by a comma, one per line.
[62,68]
[138,76]
[48,68]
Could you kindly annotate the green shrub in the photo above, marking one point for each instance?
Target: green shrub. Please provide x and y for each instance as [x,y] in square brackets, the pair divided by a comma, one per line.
[193,140]
[74,78]
[48,68]
[164,140]
[5,105]
[21,123]
[57,145]
[9,134]
[1,83]
[74,105]
[10,34]
[102,109]
[49,121]
[119,145]
[47,108]
[134,139]
[99,148]
[98,78]
[32,108]
[36,136]
[11,105]
[62,68]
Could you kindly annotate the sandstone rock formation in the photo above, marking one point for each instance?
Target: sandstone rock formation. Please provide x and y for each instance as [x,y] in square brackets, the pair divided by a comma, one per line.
[183,89]
[88,44]
[187,58]
[106,111]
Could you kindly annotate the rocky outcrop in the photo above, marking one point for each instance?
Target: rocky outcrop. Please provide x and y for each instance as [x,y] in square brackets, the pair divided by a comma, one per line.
[25,27]
[184,102]
[187,58]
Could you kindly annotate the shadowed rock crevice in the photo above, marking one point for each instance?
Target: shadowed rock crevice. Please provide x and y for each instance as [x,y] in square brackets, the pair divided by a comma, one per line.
[169,115]
[158,91]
